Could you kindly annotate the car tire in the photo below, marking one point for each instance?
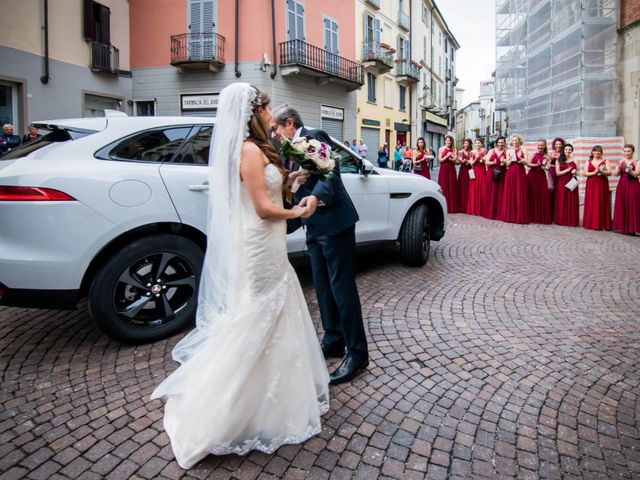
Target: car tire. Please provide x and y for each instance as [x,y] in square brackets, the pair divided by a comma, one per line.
[147,290]
[415,237]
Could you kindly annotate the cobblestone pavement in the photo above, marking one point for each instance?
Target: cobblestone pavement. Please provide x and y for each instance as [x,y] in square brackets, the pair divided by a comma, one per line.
[513,353]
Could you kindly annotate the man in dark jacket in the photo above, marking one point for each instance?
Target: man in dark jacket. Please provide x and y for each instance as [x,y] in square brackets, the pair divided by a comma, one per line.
[331,243]
[8,141]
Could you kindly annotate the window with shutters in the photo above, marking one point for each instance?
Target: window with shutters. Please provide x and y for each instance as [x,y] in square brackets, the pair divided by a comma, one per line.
[371,87]
[201,41]
[388,92]
[97,24]
[295,20]
[332,61]
[403,96]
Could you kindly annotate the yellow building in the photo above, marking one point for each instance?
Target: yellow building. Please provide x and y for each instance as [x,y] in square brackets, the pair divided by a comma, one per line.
[383,104]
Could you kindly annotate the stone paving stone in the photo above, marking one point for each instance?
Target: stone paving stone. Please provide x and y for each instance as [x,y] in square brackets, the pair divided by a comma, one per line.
[511,354]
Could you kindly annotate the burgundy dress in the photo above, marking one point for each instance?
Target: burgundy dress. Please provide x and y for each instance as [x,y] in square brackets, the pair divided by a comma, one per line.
[626,214]
[424,165]
[515,199]
[493,189]
[537,185]
[448,183]
[566,210]
[463,181]
[476,186]
[553,182]
[597,201]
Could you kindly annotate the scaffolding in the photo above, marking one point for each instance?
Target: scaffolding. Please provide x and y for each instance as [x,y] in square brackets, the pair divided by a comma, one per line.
[556,67]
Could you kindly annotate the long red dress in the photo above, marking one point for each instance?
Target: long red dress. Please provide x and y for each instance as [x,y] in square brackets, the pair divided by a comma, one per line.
[493,189]
[448,182]
[597,202]
[566,209]
[476,186]
[554,183]
[424,164]
[626,213]
[538,188]
[515,199]
[463,181]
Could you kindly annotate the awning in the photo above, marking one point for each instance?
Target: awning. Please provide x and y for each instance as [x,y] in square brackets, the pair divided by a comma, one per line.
[434,128]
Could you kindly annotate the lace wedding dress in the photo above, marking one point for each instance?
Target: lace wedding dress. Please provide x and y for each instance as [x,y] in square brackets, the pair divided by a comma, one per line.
[257,379]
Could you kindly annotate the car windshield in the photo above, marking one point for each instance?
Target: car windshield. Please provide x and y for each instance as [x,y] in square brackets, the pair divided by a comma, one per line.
[348,162]
[49,136]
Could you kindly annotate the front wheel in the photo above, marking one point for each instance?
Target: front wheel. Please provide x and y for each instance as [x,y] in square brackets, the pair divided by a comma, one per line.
[415,237]
[148,289]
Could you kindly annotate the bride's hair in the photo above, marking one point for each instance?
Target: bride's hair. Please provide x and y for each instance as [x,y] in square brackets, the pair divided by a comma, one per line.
[259,133]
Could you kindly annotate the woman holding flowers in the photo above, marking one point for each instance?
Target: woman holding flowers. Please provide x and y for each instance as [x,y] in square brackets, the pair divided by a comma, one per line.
[537,185]
[420,161]
[495,161]
[464,159]
[476,184]
[626,214]
[515,201]
[566,207]
[597,203]
[447,175]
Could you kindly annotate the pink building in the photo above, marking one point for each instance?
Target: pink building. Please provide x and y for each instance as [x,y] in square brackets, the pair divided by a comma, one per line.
[183,52]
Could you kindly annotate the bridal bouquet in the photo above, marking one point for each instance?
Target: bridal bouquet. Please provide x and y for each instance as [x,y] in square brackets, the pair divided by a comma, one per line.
[315,157]
[600,171]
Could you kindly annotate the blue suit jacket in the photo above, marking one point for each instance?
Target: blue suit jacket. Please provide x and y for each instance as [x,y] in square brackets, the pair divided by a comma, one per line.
[338,212]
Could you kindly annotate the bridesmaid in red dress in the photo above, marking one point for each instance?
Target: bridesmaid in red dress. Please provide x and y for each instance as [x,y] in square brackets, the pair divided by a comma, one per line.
[476,184]
[597,200]
[420,162]
[566,208]
[495,161]
[447,175]
[626,214]
[464,159]
[515,199]
[538,187]
[557,147]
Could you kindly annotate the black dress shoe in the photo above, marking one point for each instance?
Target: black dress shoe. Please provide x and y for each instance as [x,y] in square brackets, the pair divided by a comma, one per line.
[330,352]
[348,369]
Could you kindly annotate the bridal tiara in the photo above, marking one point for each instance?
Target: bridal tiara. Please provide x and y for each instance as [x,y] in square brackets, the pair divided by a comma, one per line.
[255,97]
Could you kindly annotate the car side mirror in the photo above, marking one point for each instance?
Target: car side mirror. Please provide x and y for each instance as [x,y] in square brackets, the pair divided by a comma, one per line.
[366,168]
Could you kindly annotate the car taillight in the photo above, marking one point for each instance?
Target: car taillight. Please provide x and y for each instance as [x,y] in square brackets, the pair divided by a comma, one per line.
[23,194]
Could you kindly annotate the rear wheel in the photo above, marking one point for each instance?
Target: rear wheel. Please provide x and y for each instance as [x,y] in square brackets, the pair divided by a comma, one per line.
[415,237]
[148,289]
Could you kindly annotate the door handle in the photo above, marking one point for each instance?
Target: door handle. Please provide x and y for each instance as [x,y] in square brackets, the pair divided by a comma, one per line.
[199,188]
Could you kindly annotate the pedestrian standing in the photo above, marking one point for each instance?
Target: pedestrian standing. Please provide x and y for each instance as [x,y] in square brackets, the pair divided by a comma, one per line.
[597,200]
[538,186]
[464,159]
[8,141]
[566,208]
[626,214]
[447,177]
[32,134]
[397,157]
[383,157]
[476,184]
[420,163]
[515,200]
[363,149]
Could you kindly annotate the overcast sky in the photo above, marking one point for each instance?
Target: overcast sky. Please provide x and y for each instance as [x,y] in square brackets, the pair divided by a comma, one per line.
[472,22]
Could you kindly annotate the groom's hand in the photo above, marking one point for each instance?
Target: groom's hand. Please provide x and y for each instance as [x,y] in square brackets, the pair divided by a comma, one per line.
[310,203]
[299,177]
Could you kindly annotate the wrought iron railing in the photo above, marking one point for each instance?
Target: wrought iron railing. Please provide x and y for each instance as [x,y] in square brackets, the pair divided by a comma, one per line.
[105,58]
[407,69]
[404,21]
[298,52]
[375,51]
[197,47]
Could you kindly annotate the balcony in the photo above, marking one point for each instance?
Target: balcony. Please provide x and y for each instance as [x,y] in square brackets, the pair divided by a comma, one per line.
[377,57]
[404,21]
[193,51]
[300,58]
[374,3]
[407,73]
[105,58]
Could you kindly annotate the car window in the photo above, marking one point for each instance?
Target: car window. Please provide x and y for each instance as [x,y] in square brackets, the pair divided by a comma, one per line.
[49,136]
[195,149]
[348,162]
[151,146]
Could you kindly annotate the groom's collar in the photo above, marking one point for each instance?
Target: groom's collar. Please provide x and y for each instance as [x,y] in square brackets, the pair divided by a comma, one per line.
[299,133]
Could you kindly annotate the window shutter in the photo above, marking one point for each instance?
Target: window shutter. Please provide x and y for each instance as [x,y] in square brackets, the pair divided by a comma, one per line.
[365,25]
[207,16]
[89,21]
[376,30]
[195,16]
[300,22]
[105,25]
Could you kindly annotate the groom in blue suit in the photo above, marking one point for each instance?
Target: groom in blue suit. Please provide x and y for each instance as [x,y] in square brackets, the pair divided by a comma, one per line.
[331,243]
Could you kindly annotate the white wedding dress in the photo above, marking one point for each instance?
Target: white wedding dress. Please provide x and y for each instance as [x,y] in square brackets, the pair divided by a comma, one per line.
[257,380]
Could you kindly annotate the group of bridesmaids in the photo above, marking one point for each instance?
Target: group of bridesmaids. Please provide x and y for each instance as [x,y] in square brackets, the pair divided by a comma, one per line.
[496,185]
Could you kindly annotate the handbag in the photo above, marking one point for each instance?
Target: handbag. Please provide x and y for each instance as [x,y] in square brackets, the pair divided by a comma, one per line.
[572,184]
[496,174]
[472,174]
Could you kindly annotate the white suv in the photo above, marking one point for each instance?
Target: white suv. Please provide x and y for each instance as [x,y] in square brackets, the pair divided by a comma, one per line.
[113,209]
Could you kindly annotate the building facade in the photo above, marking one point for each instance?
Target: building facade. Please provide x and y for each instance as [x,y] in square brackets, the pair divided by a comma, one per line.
[435,49]
[629,72]
[556,67]
[299,52]
[68,58]
[468,122]
[385,102]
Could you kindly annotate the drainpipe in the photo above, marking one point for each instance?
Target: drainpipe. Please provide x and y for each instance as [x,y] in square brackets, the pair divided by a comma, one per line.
[273,28]
[237,64]
[45,78]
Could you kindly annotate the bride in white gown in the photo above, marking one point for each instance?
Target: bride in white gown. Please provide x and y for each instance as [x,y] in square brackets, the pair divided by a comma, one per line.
[252,374]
